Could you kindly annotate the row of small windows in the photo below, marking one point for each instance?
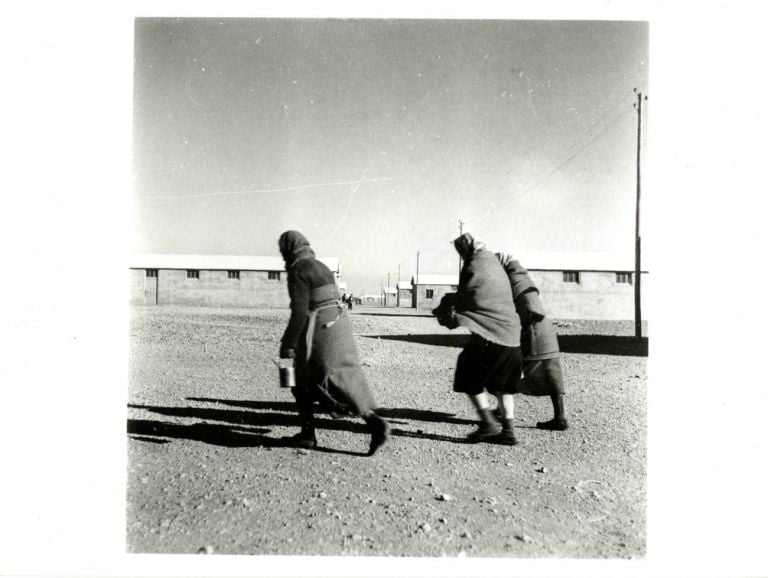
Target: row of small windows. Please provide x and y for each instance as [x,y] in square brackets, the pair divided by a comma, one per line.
[575,277]
[568,277]
[195,274]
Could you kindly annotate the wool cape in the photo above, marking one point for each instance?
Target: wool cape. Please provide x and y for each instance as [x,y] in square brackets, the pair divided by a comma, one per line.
[538,337]
[542,371]
[327,364]
[483,302]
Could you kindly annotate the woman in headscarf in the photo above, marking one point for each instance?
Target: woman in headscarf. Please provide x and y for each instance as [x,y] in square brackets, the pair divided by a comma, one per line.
[492,360]
[542,372]
[319,338]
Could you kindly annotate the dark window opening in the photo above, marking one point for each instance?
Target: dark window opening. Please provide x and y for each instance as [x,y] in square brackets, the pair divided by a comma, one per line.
[624,278]
[430,293]
[193,274]
[273,275]
[151,272]
[233,274]
[571,277]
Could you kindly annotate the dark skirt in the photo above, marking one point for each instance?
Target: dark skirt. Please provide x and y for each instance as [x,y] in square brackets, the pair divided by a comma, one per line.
[332,375]
[487,366]
[542,377]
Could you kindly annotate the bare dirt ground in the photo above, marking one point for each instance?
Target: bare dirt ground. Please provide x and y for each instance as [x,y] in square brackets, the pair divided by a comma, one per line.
[209,473]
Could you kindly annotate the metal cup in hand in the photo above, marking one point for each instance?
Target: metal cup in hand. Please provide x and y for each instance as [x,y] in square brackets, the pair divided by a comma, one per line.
[287,372]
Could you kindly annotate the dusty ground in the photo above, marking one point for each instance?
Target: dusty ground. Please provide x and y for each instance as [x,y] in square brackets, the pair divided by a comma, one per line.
[208,472]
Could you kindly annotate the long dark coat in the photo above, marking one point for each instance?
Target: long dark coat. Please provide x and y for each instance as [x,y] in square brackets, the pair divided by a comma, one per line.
[319,331]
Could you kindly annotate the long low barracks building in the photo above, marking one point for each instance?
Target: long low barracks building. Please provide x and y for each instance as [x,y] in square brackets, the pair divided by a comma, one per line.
[212,280]
[572,285]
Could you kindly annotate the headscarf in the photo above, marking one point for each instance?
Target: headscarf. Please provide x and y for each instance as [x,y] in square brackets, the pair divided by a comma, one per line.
[466,245]
[294,247]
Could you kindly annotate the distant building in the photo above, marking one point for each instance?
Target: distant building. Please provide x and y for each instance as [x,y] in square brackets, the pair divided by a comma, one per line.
[427,290]
[212,280]
[572,285]
[390,296]
[586,285]
[372,299]
[404,294]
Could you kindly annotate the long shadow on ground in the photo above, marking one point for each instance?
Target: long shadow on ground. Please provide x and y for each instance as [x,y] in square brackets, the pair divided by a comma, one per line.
[604,344]
[440,339]
[393,413]
[596,344]
[395,315]
[239,428]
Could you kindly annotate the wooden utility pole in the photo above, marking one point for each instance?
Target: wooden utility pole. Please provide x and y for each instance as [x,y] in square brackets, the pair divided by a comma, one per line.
[461,232]
[397,286]
[638,314]
[415,288]
[386,295]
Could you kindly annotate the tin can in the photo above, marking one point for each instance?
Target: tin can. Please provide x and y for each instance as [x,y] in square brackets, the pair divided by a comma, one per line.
[287,376]
[287,372]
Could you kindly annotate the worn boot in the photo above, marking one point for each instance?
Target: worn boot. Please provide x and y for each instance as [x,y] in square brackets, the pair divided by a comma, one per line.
[306,437]
[488,427]
[380,431]
[553,424]
[507,435]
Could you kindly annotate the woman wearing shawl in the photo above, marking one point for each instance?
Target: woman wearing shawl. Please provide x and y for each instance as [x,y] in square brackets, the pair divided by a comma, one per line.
[492,360]
[542,372]
[319,338]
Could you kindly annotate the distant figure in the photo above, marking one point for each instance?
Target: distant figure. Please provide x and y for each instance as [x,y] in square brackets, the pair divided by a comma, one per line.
[319,338]
[492,360]
[350,300]
[542,372]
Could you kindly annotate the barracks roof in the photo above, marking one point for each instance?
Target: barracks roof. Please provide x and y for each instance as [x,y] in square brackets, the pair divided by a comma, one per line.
[217,262]
[422,279]
[575,261]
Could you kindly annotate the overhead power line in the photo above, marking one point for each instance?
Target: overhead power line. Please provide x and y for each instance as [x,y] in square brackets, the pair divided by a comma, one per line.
[355,183]
[518,194]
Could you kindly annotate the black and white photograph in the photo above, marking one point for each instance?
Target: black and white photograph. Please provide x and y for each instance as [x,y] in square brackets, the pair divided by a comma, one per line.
[430,227]
[333,291]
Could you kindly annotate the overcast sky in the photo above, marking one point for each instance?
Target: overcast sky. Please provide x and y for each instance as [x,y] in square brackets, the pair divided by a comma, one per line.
[375,137]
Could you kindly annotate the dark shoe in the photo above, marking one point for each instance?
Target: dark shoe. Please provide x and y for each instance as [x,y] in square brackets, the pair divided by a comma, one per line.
[507,435]
[304,439]
[506,438]
[485,431]
[380,432]
[553,424]
[489,427]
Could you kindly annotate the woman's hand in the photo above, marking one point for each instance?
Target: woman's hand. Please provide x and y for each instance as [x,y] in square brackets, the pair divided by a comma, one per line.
[287,352]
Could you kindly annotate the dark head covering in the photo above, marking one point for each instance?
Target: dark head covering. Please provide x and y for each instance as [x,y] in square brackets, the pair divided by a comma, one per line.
[466,245]
[294,247]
